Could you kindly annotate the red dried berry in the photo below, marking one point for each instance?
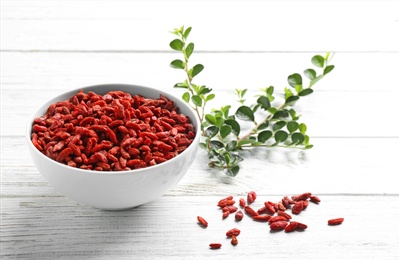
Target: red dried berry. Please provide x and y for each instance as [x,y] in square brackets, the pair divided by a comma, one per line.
[225,214]
[233,232]
[277,218]
[234,240]
[239,215]
[335,221]
[278,225]
[291,227]
[301,226]
[262,218]
[250,211]
[215,245]
[225,202]
[251,197]
[315,199]
[202,221]
[231,209]
[270,207]
[242,203]
[304,196]
[284,214]
[298,207]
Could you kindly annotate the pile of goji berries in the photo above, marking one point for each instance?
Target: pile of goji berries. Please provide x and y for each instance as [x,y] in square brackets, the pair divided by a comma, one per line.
[112,132]
[272,212]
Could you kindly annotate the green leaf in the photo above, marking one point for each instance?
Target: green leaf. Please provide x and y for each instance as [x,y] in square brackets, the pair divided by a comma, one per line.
[291,99]
[235,126]
[302,128]
[293,114]
[278,125]
[216,144]
[212,131]
[245,141]
[294,79]
[177,64]
[230,146]
[210,119]
[270,90]
[292,126]
[233,171]
[297,138]
[281,114]
[203,90]
[287,93]
[197,100]
[264,102]
[318,61]
[263,125]
[209,97]
[280,136]
[181,85]
[196,70]
[219,121]
[225,110]
[310,73]
[328,69]
[186,97]
[245,113]
[225,130]
[189,49]
[305,92]
[176,45]
[187,32]
[264,136]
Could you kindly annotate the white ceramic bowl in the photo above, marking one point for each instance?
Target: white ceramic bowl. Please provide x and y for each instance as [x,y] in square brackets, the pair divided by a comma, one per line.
[115,190]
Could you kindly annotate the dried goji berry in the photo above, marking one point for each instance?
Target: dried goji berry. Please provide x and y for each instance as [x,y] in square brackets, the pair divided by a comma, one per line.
[231,209]
[233,232]
[242,202]
[298,207]
[239,215]
[215,245]
[202,221]
[314,199]
[262,218]
[291,227]
[284,214]
[270,207]
[278,225]
[335,221]
[277,218]
[302,226]
[251,197]
[234,240]
[225,214]
[250,211]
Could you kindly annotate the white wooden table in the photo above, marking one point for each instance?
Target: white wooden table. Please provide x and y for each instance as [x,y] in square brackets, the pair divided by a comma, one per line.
[48,47]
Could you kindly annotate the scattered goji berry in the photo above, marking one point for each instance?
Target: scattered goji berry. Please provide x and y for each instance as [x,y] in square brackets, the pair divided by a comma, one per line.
[234,240]
[335,221]
[314,199]
[225,214]
[270,207]
[298,207]
[291,227]
[239,215]
[250,211]
[251,197]
[233,232]
[202,221]
[277,218]
[262,218]
[278,225]
[284,214]
[215,245]
[242,203]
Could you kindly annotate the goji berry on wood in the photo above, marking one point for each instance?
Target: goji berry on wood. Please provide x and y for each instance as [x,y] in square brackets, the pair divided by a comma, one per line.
[202,221]
[233,232]
[251,197]
[335,221]
[215,245]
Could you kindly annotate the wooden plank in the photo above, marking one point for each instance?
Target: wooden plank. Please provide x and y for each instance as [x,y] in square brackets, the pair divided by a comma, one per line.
[42,228]
[332,166]
[218,25]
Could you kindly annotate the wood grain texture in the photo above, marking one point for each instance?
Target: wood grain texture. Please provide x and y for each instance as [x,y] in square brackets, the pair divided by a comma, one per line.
[268,25]
[41,228]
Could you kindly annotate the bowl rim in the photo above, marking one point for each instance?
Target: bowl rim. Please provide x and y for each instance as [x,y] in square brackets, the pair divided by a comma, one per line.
[194,120]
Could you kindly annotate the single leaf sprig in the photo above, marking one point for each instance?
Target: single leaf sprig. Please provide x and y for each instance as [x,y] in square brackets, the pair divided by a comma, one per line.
[278,126]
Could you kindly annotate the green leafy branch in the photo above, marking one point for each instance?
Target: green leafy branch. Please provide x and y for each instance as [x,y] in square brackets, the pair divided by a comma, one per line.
[279,125]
